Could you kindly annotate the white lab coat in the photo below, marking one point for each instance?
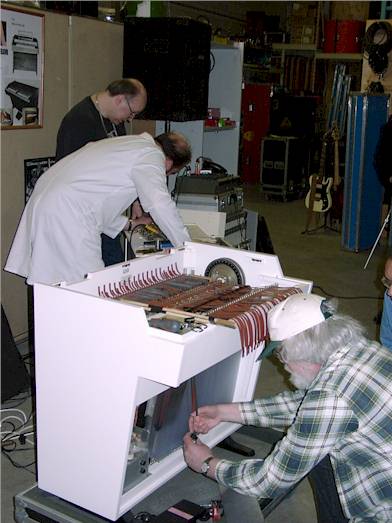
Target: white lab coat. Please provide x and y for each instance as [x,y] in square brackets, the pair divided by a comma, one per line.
[84,195]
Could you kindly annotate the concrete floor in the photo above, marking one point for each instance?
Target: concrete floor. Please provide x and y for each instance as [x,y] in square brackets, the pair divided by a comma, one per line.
[317,257]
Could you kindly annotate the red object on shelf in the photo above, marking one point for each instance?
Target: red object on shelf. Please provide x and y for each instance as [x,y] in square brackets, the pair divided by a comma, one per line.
[343,36]
[349,36]
[211,122]
[255,125]
[221,123]
[229,123]
[330,30]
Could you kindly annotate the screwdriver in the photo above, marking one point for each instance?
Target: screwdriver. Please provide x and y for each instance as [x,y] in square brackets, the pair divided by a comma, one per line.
[194,435]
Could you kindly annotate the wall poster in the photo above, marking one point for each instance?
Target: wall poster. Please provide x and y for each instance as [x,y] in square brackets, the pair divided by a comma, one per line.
[22,64]
[33,168]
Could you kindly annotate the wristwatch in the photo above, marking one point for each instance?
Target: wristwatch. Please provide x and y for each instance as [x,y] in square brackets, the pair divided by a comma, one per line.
[205,466]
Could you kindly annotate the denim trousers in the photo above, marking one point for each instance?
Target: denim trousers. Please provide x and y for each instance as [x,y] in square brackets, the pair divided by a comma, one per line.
[112,251]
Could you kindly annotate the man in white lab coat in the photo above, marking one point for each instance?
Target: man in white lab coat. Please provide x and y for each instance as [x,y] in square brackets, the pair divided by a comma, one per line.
[85,194]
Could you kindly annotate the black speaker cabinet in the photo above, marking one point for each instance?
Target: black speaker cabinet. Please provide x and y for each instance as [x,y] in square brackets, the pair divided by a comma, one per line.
[293,115]
[171,56]
[14,375]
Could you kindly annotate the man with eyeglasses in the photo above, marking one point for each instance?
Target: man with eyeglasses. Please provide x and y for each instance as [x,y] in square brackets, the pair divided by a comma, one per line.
[386,319]
[341,415]
[102,115]
[85,194]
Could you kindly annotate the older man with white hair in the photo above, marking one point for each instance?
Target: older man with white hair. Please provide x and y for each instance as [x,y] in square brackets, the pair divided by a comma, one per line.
[342,411]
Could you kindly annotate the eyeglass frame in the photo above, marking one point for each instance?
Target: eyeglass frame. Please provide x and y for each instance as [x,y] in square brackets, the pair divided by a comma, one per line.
[132,113]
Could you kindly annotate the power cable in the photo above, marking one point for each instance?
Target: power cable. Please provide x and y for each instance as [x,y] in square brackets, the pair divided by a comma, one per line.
[15,463]
[377,52]
[348,297]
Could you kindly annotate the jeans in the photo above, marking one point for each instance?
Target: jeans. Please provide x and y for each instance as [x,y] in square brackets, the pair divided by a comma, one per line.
[326,497]
[112,251]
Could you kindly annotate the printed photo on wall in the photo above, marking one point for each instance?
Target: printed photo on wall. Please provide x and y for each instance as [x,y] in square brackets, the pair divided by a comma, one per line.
[33,169]
[22,59]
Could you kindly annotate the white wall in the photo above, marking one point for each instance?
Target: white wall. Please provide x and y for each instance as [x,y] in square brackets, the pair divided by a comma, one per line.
[82,55]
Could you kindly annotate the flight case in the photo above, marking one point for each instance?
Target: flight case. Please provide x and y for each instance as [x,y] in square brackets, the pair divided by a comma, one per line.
[283,166]
[363,191]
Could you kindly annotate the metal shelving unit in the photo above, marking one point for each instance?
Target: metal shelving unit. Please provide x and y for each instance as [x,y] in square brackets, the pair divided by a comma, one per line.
[338,57]
[315,53]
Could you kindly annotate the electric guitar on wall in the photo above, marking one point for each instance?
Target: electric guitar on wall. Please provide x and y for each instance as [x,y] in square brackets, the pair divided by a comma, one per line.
[319,197]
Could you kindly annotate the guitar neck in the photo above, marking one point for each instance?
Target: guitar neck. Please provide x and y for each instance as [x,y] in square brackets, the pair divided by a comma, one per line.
[322,159]
[336,176]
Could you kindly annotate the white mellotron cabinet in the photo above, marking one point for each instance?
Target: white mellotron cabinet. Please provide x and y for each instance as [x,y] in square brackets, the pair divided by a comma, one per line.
[98,360]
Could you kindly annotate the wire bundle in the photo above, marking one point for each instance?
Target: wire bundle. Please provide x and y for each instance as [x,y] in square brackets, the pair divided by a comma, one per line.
[377,53]
[17,430]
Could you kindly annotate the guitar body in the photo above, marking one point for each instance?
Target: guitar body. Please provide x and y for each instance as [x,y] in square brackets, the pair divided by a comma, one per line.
[322,200]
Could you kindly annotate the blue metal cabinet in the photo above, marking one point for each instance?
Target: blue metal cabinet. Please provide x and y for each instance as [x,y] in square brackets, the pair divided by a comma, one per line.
[362,189]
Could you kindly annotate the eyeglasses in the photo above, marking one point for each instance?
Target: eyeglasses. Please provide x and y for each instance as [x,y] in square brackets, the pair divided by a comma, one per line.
[279,355]
[132,113]
[386,282]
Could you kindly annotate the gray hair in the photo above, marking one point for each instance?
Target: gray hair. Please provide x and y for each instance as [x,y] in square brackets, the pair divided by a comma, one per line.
[318,343]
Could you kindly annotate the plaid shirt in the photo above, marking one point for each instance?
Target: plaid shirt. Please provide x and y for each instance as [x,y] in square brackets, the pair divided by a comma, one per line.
[346,413]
